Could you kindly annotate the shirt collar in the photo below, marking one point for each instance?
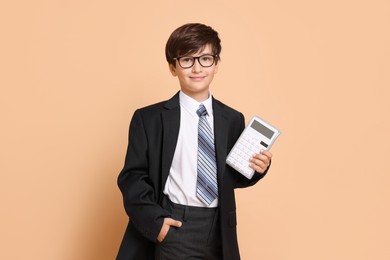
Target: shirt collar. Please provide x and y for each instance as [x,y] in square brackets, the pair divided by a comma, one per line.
[191,105]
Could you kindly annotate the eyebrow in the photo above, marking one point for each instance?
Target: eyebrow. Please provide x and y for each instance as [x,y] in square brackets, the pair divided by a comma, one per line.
[200,54]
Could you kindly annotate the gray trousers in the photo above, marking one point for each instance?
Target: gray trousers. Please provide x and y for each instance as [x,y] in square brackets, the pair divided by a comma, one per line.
[198,238]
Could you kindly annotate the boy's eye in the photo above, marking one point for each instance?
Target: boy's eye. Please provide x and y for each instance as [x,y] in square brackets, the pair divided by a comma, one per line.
[187,59]
[206,58]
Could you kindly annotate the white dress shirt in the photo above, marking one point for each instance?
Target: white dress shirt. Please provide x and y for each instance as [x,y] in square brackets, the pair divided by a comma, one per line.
[181,183]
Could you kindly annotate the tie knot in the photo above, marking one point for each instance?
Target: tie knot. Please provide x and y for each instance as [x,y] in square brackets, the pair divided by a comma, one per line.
[201,110]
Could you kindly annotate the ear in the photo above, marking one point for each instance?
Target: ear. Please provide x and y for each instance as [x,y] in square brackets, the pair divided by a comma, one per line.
[172,69]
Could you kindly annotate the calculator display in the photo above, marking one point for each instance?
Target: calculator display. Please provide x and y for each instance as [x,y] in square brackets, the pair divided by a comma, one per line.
[262,129]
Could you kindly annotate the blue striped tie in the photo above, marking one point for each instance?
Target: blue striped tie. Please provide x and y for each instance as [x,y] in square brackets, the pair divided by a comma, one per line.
[206,187]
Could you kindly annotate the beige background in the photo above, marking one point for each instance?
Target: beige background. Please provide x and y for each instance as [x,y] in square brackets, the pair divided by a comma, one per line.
[73,72]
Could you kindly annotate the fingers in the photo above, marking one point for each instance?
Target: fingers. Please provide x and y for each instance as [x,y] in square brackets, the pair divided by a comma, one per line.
[163,232]
[172,222]
[266,153]
[260,161]
[168,222]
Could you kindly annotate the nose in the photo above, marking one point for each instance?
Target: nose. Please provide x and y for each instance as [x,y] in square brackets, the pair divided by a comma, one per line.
[196,68]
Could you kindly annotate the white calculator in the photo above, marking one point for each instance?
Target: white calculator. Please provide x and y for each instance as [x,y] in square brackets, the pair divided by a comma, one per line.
[257,135]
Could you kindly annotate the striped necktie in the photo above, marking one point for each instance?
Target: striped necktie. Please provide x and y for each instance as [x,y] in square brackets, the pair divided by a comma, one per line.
[206,186]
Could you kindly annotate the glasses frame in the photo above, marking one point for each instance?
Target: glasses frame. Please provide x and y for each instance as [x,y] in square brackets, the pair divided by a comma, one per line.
[196,58]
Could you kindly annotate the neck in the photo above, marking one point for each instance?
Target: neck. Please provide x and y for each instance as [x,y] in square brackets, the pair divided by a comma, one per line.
[200,97]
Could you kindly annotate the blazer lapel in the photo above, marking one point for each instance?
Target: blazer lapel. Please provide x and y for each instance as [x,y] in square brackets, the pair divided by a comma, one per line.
[171,126]
[220,137]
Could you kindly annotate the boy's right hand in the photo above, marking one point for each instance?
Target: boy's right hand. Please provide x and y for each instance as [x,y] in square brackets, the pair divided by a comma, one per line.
[168,222]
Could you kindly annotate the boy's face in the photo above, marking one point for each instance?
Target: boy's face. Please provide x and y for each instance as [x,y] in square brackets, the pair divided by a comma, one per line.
[195,81]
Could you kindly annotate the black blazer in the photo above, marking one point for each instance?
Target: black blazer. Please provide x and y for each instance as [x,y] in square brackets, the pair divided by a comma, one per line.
[152,142]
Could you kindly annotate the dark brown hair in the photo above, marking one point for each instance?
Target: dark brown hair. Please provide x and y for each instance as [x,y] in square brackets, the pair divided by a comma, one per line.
[191,38]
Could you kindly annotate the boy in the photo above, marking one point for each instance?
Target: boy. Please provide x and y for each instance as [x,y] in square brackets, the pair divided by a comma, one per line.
[177,189]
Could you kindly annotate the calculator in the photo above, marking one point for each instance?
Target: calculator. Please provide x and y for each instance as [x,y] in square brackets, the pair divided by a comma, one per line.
[257,135]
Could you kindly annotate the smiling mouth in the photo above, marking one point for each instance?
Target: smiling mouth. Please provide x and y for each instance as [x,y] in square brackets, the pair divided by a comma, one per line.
[197,78]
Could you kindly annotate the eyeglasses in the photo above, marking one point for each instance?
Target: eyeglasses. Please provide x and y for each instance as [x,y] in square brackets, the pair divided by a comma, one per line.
[187,62]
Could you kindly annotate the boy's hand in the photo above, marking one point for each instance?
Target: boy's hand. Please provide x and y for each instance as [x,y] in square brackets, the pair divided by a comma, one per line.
[168,222]
[260,161]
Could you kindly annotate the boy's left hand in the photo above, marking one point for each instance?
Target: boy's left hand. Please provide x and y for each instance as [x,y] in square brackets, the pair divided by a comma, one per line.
[260,161]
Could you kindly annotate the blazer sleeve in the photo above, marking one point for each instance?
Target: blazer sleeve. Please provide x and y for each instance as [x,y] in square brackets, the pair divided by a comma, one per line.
[240,180]
[138,192]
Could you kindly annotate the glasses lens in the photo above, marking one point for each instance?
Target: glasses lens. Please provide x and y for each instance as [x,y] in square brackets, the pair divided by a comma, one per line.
[186,62]
[206,60]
